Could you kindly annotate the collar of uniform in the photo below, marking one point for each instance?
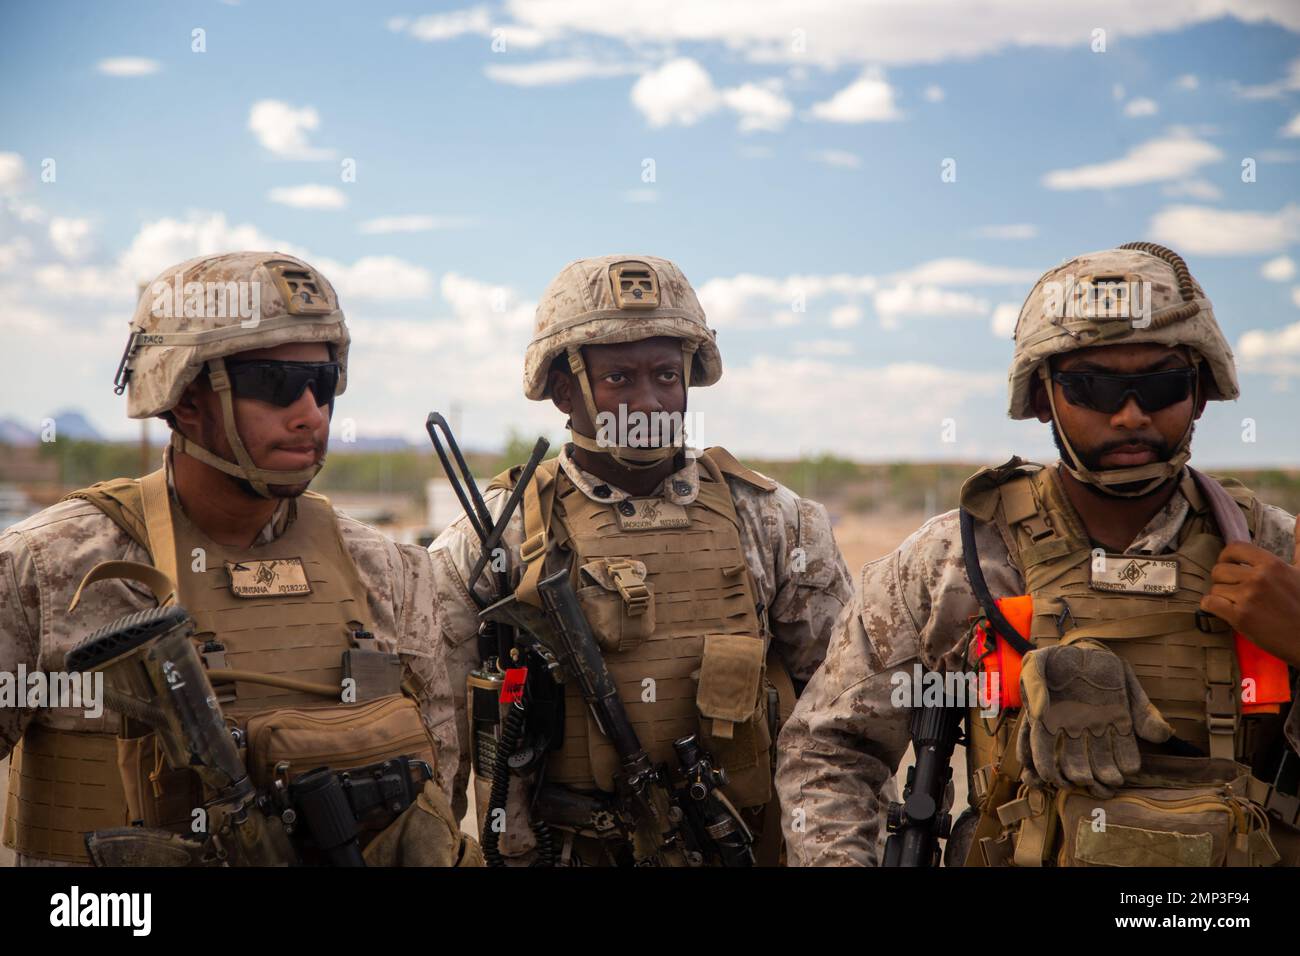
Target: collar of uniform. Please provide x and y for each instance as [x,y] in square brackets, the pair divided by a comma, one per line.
[1161,531]
[285,511]
[681,487]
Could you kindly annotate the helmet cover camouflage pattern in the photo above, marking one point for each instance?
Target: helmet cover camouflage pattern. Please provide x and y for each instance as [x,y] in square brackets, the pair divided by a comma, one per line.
[215,306]
[620,298]
[1165,306]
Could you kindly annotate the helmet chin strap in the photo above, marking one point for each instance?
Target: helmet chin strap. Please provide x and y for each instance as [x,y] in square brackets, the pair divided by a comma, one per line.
[635,459]
[1152,475]
[259,478]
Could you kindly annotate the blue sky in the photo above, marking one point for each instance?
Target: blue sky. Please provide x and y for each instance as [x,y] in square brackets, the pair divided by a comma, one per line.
[796,150]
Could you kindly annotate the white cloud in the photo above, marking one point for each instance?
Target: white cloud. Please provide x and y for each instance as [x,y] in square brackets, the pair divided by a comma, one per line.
[761,107]
[445,26]
[839,33]
[953,271]
[642,195]
[556,72]
[909,300]
[1005,316]
[933,94]
[1225,232]
[845,316]
[70,237]
[1169,157]
[12,173]
[1015,230]
[1271,351]
[836,157]
[1187,81]
[16,250]
[820,406]
[377,278]
[1281,269]
[283,129]
[826,347]
[680,91]
[868,99]
[308,196]
[61,281]
[1288,83]
[1117,91]
[383,225]
[485,309]
[1292,129]
[164,242]
[435,27]
[1192,189]
[128,66]
[733,300]
[1142,106]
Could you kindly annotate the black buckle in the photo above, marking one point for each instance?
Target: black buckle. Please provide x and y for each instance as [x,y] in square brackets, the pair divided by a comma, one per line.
[123,374]
[1204,622]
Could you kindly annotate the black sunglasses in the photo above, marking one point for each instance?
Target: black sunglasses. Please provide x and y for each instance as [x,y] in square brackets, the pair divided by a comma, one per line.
[282,383]
[1108,393]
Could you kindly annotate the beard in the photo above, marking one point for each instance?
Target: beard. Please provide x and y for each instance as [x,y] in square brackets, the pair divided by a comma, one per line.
[1091,459]
[212,434]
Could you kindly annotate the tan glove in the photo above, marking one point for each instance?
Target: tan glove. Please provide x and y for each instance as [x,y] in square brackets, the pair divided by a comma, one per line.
[425,834]
[1083,706]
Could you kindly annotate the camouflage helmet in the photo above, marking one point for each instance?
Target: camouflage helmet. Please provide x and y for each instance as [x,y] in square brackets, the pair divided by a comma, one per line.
[1175,311]
[1140,292]
[195,314]
[609,299]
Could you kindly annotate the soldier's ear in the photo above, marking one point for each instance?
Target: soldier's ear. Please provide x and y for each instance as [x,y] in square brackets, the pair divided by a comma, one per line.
[186,411]
[1038,400]
[560,385]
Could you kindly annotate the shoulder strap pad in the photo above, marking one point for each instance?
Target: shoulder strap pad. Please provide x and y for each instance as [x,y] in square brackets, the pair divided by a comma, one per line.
[120,500]
[979,493]
[507,479]
[727,464]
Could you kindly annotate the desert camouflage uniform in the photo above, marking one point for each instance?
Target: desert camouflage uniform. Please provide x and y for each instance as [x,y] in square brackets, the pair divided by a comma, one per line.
[803,592]
[43,559]
[845,739]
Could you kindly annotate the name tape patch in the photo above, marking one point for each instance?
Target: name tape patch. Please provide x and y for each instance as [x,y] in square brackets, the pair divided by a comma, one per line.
[280,577]
[650,514]
[1129,575]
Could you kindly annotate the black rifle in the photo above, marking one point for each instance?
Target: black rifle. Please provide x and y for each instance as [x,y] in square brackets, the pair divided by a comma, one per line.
[153,676]
[499,744]
[918,823]
[645,804]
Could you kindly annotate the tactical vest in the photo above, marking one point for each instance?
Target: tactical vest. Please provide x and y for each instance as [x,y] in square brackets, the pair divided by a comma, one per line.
[671,600]
[1145,608]
[285,609]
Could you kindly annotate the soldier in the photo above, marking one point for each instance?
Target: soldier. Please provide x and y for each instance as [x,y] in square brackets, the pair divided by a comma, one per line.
[242,355]
[710,587]
[1143,729]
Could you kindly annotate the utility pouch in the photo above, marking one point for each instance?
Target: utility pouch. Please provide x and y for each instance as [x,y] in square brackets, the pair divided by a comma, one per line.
[733,703]
[1180,812]
[288,742]
[158,795]
[618,602]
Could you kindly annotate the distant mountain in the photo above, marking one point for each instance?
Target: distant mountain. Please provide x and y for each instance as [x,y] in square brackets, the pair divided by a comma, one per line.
[382,443]
[14,432]
[72,424]
[69,424]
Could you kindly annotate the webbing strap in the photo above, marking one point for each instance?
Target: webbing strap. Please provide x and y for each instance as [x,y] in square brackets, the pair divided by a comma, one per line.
[539,506]
[156,501]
